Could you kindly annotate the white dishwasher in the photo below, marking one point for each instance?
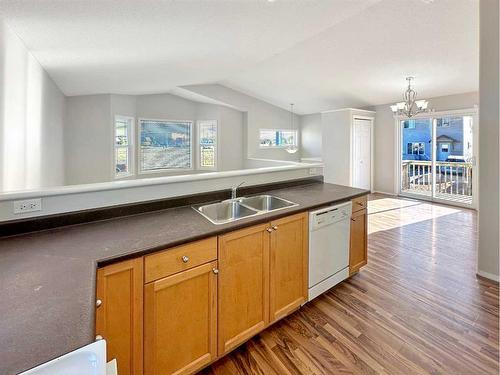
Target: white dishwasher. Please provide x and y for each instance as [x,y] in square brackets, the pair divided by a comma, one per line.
[329,234]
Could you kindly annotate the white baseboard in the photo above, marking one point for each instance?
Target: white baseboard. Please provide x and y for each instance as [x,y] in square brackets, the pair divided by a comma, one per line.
[384,192]
[488,275]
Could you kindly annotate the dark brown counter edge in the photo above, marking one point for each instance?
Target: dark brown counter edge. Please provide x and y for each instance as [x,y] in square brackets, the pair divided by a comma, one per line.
[217,230]
[39,223]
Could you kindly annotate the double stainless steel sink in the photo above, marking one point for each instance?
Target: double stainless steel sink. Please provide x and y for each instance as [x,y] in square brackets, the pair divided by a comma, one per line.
[241,208]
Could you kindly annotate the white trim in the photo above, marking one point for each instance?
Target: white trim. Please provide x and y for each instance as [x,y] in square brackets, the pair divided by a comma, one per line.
[384,192]
[372,151]
[131,147]
[165,170]
[348,109]
[198,153]
[489,276]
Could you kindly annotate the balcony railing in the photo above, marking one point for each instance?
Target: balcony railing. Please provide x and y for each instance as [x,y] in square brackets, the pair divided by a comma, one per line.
[453,179]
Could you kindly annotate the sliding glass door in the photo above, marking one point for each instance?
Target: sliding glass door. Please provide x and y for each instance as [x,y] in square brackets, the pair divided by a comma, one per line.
[437,158]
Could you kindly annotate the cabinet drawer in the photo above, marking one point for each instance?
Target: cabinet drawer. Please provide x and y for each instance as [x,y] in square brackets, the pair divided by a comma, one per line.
[359,203]
[179,258]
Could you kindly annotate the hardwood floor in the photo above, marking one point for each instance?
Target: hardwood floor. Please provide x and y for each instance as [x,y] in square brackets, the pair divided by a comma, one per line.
[416,308]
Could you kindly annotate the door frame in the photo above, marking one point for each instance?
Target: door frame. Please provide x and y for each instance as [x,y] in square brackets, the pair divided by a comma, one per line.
[474,112]
[372,154]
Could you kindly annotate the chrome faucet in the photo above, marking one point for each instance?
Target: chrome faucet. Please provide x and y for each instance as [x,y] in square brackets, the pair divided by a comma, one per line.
[234,190]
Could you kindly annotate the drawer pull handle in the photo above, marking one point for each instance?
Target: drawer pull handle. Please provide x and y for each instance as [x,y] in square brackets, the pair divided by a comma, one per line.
[269,230]
[185,258]
[275,227]
[215,270]
[98,303]
[359,203]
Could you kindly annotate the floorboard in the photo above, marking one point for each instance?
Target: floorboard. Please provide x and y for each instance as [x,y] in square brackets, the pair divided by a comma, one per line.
[416,308]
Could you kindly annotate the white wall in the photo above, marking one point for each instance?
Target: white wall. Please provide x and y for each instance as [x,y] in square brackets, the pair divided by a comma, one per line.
[489,143]
[384,141]
[31,120]
[310,135]
[259,115]
[88,139]
[89,135]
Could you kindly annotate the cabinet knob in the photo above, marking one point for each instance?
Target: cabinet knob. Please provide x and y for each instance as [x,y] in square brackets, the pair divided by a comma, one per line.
[359,203]
[185,258]
[215,270]
[269,230]
[275,227]
[98,303]
[353,219]
[98,337]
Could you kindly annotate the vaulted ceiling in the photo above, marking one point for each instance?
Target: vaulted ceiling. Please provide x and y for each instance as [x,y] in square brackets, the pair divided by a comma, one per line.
[319,54]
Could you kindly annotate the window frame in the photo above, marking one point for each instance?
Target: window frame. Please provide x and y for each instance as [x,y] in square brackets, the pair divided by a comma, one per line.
[131,146]
[164,170]
[296,138]
[198,145]
[447,147]
[418,148]
[410,122]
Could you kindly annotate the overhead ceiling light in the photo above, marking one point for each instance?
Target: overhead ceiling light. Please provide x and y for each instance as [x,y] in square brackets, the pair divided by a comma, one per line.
[411,106]
[292,148]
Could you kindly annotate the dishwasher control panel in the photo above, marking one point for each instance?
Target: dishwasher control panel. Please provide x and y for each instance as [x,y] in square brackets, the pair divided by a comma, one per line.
[329,215]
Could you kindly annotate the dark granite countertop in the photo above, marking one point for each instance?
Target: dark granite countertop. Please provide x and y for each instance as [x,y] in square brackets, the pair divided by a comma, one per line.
[48,278]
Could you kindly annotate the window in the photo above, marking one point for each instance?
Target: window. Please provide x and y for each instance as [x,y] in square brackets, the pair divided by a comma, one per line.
[124,150]
[445,147]
[443,122]
[409,124]
[415,148]
[277,138]
[165,145]
[207,144]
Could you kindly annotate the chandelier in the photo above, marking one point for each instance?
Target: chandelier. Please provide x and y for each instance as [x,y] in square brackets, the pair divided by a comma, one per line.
[410,107]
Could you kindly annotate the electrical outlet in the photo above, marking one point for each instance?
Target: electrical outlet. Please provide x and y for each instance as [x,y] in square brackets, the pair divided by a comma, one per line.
[29,205]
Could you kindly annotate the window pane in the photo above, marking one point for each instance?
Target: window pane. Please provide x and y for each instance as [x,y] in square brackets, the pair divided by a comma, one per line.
[207,156]
[277,138]
[208,140]
[165,145]
[121,158]
[121,132]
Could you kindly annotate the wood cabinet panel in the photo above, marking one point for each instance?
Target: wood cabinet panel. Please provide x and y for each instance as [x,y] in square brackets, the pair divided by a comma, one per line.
[180,258]
[288,265]
[243,285]
[180,324]
[358,253]
[360,203]
[119,317]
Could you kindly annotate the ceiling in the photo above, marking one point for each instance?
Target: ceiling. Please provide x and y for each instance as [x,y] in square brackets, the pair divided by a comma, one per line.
[319,54]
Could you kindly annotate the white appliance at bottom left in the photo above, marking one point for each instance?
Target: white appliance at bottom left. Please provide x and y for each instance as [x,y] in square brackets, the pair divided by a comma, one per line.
[87,360]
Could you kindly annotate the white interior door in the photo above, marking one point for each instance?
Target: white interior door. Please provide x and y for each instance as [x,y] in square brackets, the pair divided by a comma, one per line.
[362,143]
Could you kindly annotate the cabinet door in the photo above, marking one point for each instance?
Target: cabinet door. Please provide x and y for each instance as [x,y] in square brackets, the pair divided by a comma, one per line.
[288,265]
[358,253]
[180,321]
[243,285]
[119,316]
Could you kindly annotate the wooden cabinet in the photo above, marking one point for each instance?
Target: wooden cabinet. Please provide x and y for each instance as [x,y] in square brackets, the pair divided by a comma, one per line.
[358,253]
[180,321]
[243,285]
[203,299]
[119,315]
[288,265]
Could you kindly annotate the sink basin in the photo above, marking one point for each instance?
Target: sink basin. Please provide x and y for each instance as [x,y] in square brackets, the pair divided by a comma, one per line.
[240,208]
[266,203]
[226,211]
[89,360]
